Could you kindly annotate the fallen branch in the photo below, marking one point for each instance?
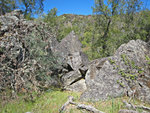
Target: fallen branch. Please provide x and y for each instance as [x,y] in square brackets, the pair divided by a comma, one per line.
[86,107]
[127,111]
[70,99]
[143,107]
[131,106]
[79,106]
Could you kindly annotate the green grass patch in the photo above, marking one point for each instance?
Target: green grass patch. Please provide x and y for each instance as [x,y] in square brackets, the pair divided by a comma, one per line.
[51,102]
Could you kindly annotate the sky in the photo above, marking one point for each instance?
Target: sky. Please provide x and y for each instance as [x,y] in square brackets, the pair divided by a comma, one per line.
[81,7]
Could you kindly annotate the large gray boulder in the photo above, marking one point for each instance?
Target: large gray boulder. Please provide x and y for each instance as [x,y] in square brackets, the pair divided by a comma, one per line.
[68,45]
[125,73]
[77,60]
[70,77]
[73,59]
[78,86]
[101,83]
[69,50]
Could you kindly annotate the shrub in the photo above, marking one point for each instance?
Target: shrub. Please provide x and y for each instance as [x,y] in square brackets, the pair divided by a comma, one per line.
[48,66]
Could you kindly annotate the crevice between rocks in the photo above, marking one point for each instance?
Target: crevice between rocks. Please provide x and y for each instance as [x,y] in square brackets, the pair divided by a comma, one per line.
[76,80]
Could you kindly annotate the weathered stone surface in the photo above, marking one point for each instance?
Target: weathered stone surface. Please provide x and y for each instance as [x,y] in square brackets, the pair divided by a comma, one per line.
[70,77]
[78,86]
[68,45]
[101,84]
[77,60]
[70,53]
[125,73]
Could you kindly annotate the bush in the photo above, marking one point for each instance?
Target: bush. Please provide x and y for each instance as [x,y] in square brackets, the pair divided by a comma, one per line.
[39,48]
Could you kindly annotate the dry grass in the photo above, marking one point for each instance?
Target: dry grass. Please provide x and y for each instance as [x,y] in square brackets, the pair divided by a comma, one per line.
[51,102]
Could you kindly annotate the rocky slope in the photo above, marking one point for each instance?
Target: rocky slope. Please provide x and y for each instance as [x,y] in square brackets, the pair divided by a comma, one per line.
[73,59]
[18,64]
[125,73]
[32,59]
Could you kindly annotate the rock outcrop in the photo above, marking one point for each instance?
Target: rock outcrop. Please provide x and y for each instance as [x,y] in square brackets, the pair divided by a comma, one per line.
[21,67]
[17,67]
[12,49]
[125,73]
[69,49]
[73,59]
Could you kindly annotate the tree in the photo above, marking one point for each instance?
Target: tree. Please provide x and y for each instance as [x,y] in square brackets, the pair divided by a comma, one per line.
[105,12]
[7,6]
[50,18]
[130,8]
[31,6]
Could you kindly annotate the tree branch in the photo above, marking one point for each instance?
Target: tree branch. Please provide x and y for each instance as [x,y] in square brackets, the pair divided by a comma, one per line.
[79,106]
[131,106]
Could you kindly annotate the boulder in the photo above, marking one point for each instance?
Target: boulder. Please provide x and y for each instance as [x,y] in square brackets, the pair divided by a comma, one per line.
[101,84]
[125,73]
[78,86]
[73,59]
[69,49]
[68,45]
[77,60]
[71,77]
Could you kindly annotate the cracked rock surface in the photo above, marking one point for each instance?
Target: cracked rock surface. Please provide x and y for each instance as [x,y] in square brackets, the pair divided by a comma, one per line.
[125,73]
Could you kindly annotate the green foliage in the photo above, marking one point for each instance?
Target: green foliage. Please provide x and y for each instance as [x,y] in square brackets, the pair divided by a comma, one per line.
[148,59]
[112,24]
[51,17]
[49,102]
[28,16]
[128,74]
[116,22]
[111,61]
[31,6]
[39,51]
[86,39]
[120,83]
[125,59]
[63,33]
[7,6]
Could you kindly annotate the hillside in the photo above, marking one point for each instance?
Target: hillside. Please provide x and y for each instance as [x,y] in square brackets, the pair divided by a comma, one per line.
[43,62]
[90,32]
